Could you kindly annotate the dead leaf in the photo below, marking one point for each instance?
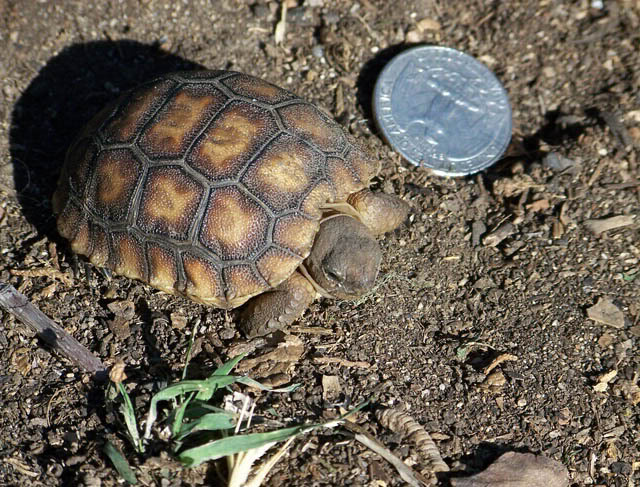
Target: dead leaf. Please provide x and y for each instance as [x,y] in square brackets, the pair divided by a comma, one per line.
[21,360]
[518,470]
[278,361]
[117,374]
[606,312]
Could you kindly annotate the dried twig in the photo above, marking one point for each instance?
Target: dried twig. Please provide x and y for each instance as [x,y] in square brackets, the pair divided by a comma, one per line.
[410,476]
[50,332]
[340,361]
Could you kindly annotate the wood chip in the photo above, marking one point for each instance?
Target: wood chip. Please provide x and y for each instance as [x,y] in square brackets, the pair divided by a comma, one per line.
[603,381]
[21,359]
[494,381]
[539,205]
[600,226]
[515,185]
[428,24]
[606,312]
[478,229]
[178,321]
[499,234]
[331,388]
[124,312]
[518,470]
[281,26]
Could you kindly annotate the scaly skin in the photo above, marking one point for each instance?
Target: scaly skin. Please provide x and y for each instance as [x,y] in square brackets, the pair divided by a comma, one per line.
[343,263]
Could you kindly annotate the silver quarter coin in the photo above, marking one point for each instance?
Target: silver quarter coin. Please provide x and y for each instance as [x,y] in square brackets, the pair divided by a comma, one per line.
[442,109]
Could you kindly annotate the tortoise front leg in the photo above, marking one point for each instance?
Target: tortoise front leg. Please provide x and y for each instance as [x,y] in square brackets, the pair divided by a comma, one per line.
[380,212]
[277,309]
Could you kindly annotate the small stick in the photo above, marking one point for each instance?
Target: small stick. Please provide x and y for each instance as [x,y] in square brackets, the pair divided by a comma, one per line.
[50,332]
[409,475]
[342,362]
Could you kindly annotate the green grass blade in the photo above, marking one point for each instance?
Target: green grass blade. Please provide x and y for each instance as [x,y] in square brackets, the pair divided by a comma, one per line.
[197,409]
[206,388]
[120,463]
[178,417]
[226,368]
[234,444]
[129,414]
[207,422]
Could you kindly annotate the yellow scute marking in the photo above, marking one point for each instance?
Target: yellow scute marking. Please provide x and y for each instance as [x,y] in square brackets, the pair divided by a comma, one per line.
[283,171]
[162,272]
[170,200]
[307,122]
[276,265]
[241,285]
[182,115]
[202,280]
[81,244]
[125,126]
[296,234]
[231,221]
[113,180]
[229,139]
[129,264]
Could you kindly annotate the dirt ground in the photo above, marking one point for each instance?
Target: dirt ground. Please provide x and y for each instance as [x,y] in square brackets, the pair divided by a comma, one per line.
[511,261]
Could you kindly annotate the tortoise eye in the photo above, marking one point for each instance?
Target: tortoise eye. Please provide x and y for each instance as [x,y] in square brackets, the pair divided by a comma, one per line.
[334,275]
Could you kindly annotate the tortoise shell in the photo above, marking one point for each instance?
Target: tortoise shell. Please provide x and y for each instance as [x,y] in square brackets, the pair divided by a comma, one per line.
[208,184]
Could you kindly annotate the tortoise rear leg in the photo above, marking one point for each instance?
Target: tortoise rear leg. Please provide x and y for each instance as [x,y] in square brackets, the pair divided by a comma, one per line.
[380,212]
[277,309]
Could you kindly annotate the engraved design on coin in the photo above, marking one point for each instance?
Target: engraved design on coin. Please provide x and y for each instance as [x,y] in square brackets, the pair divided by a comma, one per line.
[443,109]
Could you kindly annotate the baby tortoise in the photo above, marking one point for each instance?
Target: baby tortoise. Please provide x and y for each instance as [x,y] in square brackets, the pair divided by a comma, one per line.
[224,188]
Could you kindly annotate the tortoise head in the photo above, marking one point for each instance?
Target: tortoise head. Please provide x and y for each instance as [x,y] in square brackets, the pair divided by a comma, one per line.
[345,258]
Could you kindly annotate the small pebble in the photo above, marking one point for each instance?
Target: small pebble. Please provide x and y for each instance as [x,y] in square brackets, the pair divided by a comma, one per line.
[227,334]
[557,162]
[318,51]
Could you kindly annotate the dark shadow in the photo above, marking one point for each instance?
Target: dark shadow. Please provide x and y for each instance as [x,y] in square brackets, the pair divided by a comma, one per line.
[484,455]
[559,128]
[369,74]
[65,94]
